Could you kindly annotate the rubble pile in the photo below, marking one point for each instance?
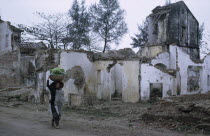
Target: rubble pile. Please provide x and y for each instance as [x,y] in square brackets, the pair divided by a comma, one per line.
[184,113]
[17,94]
[121,54]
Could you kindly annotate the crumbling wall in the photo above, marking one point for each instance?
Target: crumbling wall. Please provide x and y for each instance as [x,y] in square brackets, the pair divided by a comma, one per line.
[151,75]
[40,87]
[177,64]
[27,71]
[10,70]
[174,24]
[184,29]
[80,74]
[152,51]
[105,85]
[122,78]
[5,38]
[44,61]
[182,61]
[47,59]
[194,77]
[131,70]
[162,58]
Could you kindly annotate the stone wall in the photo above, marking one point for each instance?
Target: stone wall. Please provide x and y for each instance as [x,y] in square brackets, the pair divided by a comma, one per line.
[5,38]
[27,71]
[10,70]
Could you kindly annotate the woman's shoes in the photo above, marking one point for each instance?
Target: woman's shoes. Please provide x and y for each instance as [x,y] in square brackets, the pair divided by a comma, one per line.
[57,127]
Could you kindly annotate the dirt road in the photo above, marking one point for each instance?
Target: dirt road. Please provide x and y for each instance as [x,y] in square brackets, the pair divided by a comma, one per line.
[24,122]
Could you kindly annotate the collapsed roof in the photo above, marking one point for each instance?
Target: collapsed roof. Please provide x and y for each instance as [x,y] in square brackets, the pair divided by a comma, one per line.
[31,47]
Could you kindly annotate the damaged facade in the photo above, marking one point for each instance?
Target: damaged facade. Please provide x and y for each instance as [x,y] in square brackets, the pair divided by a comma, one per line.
[173,24]
[10,36]
[168,65]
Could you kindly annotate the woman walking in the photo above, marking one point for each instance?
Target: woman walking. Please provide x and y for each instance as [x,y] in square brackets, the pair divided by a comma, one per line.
[57,100]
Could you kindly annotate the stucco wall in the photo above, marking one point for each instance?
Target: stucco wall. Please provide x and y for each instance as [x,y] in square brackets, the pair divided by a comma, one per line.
[130,77]
[180,61]
[68,60]
[10,69]
[162,58]
[150,74]
[150,51]
[123,77]
[27,71]
[40,87]
[183,65]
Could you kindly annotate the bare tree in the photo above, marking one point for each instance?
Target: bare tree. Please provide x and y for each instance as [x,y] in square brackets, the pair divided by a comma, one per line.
[52,29]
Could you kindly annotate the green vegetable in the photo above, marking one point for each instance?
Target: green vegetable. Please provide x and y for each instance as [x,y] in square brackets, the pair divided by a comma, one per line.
[57,71]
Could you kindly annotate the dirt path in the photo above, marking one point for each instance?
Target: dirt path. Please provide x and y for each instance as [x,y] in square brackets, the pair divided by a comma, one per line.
[24,122]
[14,122]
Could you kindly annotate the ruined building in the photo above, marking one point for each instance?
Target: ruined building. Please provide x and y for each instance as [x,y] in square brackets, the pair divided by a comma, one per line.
[167,66]
[9,37]
[16,58]
[172,24]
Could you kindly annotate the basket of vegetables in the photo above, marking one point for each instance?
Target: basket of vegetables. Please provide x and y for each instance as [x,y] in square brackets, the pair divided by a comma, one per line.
[57,74]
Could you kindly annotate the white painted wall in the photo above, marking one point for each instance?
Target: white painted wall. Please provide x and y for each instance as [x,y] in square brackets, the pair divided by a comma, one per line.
[70,59]
[40,85]
[150,74]
[163,58]
[184,61]
[178,60]
[123,77]
[130,80]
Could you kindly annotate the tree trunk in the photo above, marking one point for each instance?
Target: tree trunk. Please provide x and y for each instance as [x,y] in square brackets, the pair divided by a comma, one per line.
[105,46]
[51,45]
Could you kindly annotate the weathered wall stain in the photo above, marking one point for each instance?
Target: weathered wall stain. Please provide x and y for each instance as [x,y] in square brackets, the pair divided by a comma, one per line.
[77,74]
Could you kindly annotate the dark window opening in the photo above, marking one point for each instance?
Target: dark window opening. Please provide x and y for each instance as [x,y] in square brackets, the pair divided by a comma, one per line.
[155,30]
[156,91]
[184,32]
[183,11]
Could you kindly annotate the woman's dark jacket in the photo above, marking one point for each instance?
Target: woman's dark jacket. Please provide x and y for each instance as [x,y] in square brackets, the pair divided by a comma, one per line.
[52,89]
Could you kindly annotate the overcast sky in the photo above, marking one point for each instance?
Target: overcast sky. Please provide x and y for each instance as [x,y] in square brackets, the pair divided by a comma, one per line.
[21,11]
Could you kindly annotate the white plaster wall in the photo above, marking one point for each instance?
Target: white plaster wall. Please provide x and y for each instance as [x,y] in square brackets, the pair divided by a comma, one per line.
[150,74]
[130,81]
[106,86]
[5,38]
[178,60]
[184,61]
[123,77]
[40,78]
[207,63]
[118,71]
[68,60]
[162,58]
[173,57]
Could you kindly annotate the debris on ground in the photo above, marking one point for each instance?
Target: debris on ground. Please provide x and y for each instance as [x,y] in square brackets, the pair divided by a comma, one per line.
[184,113]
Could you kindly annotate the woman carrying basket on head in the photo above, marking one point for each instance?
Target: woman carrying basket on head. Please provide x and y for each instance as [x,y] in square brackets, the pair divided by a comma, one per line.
[57,100]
